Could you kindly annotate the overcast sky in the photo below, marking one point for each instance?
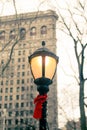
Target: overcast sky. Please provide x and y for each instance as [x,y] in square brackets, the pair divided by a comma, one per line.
[7,6]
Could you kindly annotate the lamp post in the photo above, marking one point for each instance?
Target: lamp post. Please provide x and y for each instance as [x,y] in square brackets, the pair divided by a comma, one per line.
[43,64]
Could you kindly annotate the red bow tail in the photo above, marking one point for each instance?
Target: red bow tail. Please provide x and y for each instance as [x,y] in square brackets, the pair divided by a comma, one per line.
[38,101]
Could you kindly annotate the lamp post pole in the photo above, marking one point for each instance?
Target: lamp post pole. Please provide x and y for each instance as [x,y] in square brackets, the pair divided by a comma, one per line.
[43,121]
[43,64]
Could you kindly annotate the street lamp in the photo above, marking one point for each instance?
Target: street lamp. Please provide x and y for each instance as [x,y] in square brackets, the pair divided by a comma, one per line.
[43,64]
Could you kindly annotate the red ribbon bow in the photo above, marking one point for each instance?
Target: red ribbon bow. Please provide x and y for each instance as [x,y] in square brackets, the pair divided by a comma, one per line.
[38,101]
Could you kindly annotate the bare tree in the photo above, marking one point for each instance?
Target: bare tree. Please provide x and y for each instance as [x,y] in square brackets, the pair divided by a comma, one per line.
[74,25]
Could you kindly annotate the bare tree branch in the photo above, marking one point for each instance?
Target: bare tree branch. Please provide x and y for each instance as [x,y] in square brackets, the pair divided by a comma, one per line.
[82,6]
[76,25]
[17,40]
[85,79]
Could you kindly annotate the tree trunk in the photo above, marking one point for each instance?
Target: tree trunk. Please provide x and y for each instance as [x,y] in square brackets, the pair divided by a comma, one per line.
[81,104]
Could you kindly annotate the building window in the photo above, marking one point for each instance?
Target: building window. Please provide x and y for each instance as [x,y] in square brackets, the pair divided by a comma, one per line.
[6,82]
[10,105]
[23,59]
[11,90]
[11,82]
[27,96]
[1,121]
[10,113]
[43,30]
[19,60]
[12,34]
[23,73]
[31,119]
[18,89]
[31,111]
[18,74]
[23,66]
[1,90]
[31,87]
[33,31]
[18,67]
[6,98]
[22,113]
[28,80]
[9,121]
[31,95]
[2,61]
[22,33]
[12,74]
[12,61]
[0,98]
[19,52]
[27,104]
[31,80]
[31,103]
[27,113]
[0,105]
[17,113]
[22,104]
[2,35]
[22,89]
[11,97]
[16,121]
[2,82]
[5,106]
[22,81]
[21,121]
[17,105]
[23,52]
[18,81]
[6,90]
[24,45]
[17,97]
[28,72]
[22,97]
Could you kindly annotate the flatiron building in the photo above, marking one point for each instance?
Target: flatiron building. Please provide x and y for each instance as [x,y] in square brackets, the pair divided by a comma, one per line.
[20,36]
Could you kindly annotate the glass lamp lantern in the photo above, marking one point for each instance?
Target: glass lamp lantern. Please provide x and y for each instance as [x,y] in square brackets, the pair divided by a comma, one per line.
[43,64]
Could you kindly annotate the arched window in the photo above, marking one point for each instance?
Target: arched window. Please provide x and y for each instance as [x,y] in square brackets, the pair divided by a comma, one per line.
[2,35]
[33,31]
[44,30]
[22,33]
[12,34]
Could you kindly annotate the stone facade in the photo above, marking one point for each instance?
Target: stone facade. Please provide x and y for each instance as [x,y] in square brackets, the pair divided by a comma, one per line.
[20,36]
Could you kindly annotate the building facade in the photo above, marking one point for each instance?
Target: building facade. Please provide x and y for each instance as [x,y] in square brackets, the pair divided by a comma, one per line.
[20,36]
